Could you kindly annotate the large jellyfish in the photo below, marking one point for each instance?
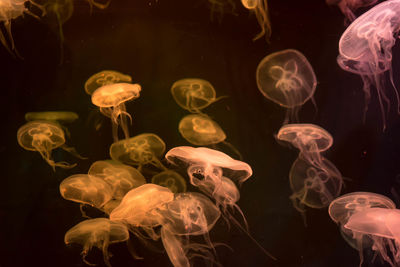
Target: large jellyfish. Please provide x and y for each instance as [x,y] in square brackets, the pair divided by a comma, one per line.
[288,79]
[100,233]
[365,48]
[105,77]
[170,179]
[348,7]
[111,99]
[260,9]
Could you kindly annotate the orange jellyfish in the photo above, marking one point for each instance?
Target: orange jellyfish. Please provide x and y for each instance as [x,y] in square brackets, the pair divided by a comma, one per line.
[56,116]
[365,48]
[99,233]
[348,7]
[105,77]
[43,136]
[170,179]
[260,9]
[111,99]
[288,79]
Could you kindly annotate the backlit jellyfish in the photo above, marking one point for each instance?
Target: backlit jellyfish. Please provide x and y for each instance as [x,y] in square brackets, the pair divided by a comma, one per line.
[193,94]
[43,136]
[170,179]
[105,77]
[288,79]
[260,9]
[100,233]
[122,178]
[365,48]
[111,99]
[348,7]
[139,150]
[57,116]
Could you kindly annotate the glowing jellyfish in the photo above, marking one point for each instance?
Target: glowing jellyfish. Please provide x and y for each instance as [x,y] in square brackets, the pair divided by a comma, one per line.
[139,150]
[348,7]
[100,233]
[57,116]
[365,48]
[193,94]
[170,179]
[122,178]
[111,99]
[43,136]
[105,77]
[260,9]
[288,79]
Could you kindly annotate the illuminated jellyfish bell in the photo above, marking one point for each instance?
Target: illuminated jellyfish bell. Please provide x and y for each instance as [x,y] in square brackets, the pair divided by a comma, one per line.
[139,150]
[170,179]
[120,177]
[43,137]
[111,99]
[57,116]
[288,79]
[105,77]
[193,94]
[343,207]
[365,48]
[348,7]
[100,233]
[260,9]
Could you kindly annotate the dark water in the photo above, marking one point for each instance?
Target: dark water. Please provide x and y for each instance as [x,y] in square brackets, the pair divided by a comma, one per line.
[158,43]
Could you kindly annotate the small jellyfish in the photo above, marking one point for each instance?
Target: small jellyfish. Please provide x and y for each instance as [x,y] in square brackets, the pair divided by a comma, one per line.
[348,7]
[105,77]
[193,94]
[100,233]
[365,48]
[43,136]
[221,7]
[139,150]
[170,179]
[111,99]
[288,79]
[122,178]
[260,9]
[56,116]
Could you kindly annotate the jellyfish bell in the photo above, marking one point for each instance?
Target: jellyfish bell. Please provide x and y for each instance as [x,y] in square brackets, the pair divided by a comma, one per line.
[100,233]
[170,179]
[105,77]
[56,116]
[348,7]
[260,9]
[288,79]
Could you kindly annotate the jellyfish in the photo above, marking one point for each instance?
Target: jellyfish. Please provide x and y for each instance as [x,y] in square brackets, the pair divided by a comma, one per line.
[288,79]
[139,150]
[56,116]
[111,99]
[220,7]
[44,136]
[105,77]
[122,178]
[100,233]
[348,7]
[170,179]
[260,9]
[365,48]
[193,94]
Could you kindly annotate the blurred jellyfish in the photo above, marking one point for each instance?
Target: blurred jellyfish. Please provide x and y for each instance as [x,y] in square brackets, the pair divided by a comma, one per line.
[56,116]
[288,79]
[100,5]
[170,179]
[44,136]
[139,150]
[122,178]
[193,94]
[105,77]
[365,48]
[111,99]
[221,7]
[348,7]
[100,233]
[260,9]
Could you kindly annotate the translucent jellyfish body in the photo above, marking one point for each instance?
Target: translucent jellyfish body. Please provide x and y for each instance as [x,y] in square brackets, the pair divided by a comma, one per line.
[100,233]
[139,150]
[193,94]
[260,9]
[111,100]
[348,7]
[170,179]
[288,79]
[58,116]
[221,7]
[105,77]
[122,178]
[365,48]
[43,137]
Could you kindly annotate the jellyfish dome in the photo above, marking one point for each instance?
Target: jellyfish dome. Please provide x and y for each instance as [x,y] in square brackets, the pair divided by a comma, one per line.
[57,116]
[170,179]
[105,77]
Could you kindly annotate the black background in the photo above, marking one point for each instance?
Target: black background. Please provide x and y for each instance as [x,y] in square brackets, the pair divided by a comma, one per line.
[157,43]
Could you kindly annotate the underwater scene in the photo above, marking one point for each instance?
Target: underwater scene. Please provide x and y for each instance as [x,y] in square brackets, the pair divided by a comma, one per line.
[200,133]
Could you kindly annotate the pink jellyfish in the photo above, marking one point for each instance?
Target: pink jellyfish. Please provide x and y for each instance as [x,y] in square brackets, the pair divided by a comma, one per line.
[260,9]
[365,48]
[348,7]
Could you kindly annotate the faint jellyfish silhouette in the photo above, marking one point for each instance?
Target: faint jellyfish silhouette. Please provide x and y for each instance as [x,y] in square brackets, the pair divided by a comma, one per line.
[348,7]
[260,9]
[288,79]
[193,94]
[221,7]
[122,178]
[56,116]
[100,233]
[105,77]
[139,150]
[43,136]
[100,5]
[365,48]
[111,99]
[170,179]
